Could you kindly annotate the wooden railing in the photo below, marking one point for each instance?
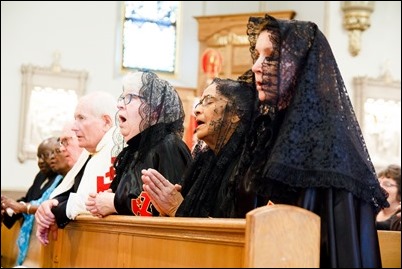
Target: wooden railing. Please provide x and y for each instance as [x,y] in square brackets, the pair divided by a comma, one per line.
[123,241]
[274,236]
[127,241]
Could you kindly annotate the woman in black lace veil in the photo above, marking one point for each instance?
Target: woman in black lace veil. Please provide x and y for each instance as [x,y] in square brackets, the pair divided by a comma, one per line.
[223,117]
[150,116]
[306,147]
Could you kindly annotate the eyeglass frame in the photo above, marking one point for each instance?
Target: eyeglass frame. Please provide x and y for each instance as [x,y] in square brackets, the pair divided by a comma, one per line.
[124,97]
[45,156]
[56,151]
[64,142]
[48,154]
[209,100]
[388,184]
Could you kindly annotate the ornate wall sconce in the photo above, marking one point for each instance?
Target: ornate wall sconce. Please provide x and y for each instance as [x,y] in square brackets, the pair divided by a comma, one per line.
[356,19]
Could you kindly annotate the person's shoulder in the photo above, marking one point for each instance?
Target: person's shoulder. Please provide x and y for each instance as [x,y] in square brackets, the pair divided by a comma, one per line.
[383,225]
[40,177]
[171,143]
[395,223]
[174,140]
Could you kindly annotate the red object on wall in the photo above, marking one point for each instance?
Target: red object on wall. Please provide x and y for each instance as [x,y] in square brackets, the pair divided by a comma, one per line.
[189,135]
[211,62]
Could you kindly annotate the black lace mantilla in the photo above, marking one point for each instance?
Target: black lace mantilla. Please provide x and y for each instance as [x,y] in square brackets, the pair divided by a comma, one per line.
[161,114]
[208,186]
[310,137]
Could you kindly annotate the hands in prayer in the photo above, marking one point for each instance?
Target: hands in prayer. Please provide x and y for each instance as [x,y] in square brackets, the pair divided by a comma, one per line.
[165,196]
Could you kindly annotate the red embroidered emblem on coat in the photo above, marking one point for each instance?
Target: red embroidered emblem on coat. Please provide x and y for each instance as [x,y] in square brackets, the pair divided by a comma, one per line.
[103,182]
[142,206]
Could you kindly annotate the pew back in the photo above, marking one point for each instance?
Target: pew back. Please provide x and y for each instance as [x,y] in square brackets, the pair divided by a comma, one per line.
[275,236]
[9,249]
[390,248]
[282,236]
[125,241]
[130,241]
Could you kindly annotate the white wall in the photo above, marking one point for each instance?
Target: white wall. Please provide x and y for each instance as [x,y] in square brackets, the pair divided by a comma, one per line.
[380,43]
[85,34]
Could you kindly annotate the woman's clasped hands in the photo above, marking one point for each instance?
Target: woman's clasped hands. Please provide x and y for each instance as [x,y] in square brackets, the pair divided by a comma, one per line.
[165,196]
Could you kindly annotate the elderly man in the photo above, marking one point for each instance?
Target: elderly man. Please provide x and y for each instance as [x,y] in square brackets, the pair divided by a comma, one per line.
[94,126]
[69,145]
[63,157]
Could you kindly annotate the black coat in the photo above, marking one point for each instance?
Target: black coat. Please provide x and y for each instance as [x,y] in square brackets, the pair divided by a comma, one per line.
[170,157]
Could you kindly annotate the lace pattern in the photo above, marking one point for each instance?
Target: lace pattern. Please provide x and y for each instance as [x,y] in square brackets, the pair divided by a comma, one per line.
[311,137]
[161,114]
[208,187]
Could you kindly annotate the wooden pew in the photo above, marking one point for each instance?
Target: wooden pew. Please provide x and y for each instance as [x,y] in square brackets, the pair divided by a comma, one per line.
[390,248]
[262,239]
[223,236]
[282,236]
[124,241]
[9,249]
[127,241]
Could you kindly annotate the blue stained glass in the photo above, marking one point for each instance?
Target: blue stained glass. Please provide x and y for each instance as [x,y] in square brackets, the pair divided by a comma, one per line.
[149,35]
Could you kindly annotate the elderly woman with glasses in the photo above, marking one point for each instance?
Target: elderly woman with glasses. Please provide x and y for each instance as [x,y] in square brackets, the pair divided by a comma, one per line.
[151,117]
[208,189]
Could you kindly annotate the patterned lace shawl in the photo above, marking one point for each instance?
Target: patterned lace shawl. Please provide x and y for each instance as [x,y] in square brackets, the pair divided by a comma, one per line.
[309,135]
[208,185]
[161,109]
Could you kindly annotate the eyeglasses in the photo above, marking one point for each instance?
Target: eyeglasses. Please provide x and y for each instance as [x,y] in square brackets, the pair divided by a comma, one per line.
[64,141]
[207,100]
[56,151]
[387,184]
[45,155]
[128,97]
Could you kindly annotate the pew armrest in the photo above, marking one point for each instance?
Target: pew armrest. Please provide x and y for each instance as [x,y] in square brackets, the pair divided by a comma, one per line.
[390,248]
[280,236]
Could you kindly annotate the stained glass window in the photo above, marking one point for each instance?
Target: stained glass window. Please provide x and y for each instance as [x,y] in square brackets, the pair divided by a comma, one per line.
[149,35]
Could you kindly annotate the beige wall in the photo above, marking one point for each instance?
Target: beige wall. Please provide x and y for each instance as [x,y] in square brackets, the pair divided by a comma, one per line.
[85,34]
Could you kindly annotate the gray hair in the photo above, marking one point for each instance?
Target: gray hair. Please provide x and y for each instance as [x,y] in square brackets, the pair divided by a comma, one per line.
[101,103]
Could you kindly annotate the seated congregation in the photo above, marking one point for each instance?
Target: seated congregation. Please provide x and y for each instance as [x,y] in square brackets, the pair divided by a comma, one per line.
[260,189]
